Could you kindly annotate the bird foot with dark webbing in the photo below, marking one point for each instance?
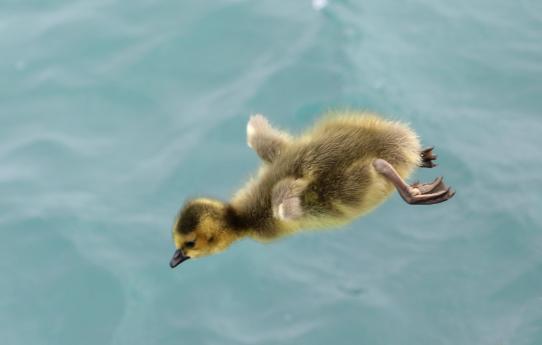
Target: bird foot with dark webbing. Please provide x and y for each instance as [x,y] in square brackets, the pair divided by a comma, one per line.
[427,158]
[417,193]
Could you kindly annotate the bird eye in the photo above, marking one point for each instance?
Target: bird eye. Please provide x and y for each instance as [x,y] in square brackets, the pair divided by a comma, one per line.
[190,244]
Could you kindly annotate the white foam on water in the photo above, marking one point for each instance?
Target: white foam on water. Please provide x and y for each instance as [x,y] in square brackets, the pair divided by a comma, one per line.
[319,4]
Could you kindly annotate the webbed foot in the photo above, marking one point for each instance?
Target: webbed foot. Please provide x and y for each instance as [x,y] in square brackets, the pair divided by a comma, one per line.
[427,158]
[417,193]
[427,193]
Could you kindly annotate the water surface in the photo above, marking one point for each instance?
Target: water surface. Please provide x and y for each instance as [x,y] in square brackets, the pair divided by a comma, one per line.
[113,113]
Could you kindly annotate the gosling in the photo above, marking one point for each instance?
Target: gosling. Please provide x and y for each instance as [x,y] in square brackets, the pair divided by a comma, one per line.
[342,168]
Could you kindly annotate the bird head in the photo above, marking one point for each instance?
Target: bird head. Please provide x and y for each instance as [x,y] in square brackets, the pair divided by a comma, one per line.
[201,229]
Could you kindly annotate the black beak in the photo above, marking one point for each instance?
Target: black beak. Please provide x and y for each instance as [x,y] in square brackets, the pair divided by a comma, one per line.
[177,258]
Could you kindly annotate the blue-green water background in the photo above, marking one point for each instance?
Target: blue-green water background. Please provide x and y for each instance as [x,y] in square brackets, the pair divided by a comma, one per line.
[114,112]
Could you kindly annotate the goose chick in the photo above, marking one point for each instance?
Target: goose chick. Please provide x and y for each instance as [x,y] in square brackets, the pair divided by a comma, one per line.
[342,168]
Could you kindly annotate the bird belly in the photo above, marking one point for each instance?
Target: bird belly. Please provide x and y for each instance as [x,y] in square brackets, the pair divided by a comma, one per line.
[361,190]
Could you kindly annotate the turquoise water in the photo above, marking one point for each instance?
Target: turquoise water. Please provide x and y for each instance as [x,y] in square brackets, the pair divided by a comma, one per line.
[113,113]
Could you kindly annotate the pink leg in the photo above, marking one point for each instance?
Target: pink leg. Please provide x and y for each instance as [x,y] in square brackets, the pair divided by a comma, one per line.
[417,193]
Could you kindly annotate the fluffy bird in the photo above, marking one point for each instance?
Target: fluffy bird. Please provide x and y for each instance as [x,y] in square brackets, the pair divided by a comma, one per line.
[347,164]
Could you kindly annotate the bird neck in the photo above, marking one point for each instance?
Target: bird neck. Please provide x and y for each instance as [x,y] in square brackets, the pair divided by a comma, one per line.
[254,222]
[237,221]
